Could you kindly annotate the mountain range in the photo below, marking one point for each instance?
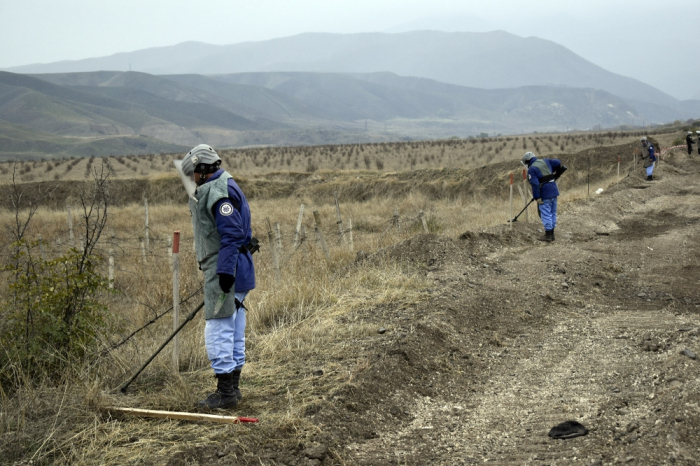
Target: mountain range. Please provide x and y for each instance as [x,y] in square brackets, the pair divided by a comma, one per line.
[327,88]
[486,60]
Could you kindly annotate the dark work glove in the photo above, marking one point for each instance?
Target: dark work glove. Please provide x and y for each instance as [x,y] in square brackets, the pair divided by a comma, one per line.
[560,171]
[226,282]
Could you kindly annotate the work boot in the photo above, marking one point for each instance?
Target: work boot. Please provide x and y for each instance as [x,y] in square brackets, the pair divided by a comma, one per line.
[649,178]
[548,236]
[227,394]
[234,383]
[552,234]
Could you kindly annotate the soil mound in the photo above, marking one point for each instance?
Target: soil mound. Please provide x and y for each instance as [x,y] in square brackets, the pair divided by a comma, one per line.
[423,250]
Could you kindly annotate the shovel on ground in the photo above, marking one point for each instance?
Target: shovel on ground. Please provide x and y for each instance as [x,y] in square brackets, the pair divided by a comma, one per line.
[516,217]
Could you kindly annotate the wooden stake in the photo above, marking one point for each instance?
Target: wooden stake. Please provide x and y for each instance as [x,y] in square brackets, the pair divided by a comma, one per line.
[273,251]
[421,215]
[41,249]
[143,250]
[302,241]
[340,220]
[298,228]
[111,269]
[589,175]
[70,226]
[618,168]
[176,299]
[182,416]
[278,239]
[395,219]
[349,231]
[319,234]
[147,230]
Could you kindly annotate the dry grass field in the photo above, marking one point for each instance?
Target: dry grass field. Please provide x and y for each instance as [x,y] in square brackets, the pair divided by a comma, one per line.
[315,320]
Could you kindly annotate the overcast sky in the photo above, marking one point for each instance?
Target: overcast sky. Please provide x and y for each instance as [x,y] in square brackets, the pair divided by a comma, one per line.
[657,42]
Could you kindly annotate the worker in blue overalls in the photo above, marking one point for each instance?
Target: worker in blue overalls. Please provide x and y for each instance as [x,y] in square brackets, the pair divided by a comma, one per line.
[542,174]
[223,238]
[648,158]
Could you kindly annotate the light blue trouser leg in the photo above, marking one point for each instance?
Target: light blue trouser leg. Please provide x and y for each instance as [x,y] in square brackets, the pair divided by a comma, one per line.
[548,212]
[224,339]
[239,334]
[650,170]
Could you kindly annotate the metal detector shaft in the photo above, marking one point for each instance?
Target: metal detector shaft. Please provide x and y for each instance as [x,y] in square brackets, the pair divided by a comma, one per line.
[172,335]
[528,205]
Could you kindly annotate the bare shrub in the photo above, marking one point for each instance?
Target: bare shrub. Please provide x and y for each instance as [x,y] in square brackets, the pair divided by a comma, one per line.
[53,313]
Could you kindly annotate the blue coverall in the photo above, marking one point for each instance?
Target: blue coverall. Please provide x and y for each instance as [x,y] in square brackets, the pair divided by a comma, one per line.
[547,191]
[649,161]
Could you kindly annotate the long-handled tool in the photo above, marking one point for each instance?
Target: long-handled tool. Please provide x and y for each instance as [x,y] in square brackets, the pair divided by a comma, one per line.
[172,335]
[516,217]
[180,415]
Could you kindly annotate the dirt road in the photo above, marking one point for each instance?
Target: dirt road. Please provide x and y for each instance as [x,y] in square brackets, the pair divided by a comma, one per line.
[518,336]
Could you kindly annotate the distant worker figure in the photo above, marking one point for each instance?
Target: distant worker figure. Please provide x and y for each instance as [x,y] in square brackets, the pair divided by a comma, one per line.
[224,244]
[697,133]
[689,142]
[648,157]
[542,174]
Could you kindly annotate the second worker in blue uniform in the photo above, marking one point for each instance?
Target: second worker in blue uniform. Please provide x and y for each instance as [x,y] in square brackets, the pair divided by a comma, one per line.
[542,175]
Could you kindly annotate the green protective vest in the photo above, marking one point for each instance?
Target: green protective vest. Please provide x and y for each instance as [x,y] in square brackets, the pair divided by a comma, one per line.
[645,154]
[645,151]
[207,242]
[543,167]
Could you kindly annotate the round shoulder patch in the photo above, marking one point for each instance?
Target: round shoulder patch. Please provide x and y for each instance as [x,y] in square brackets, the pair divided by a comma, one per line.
[226,209]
